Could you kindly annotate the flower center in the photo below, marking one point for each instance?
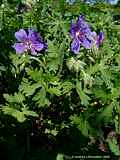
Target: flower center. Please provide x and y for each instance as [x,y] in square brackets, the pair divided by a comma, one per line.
[77,34]
[28,44]
[80,35]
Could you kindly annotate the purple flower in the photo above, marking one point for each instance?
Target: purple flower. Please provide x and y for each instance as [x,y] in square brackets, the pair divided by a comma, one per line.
[28,42]
[98,39]
[80,32]
[82,35]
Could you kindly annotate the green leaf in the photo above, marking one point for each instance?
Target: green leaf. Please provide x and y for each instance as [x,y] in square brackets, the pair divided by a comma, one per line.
[60,156]
[19,115]
[41,99]
[19,61]
[36,75]
[54,90]
[55,56]
[106,114]
[114,147]
[54,80]
[107,77]
[83,97]
[93,69]
[29,113]
[28,89]
[15,113]
[16,98]
[117,123]
[53,50]
[67,87]
[115,92]
[88,80]
[81,124]
[2,68]
[101,93]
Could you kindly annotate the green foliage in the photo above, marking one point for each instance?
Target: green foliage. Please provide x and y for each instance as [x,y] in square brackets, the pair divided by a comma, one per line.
[108,110]
[16,98]
[15,107]
[41,98]
[55,56]
[15,113]
[112,142]
[81,124]
[83,97]
[60,157]
[19,115]
[66,87]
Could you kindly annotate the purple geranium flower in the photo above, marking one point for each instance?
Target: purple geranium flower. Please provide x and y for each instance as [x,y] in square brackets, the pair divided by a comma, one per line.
[82,35]
[98,39]
[28,42]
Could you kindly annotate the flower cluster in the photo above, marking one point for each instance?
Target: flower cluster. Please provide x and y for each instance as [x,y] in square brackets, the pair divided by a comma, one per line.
[82,35]
[28,42]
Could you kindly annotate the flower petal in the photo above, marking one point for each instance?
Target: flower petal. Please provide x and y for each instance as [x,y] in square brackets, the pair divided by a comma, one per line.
[94,34]
[83,25]
[75,46]
[100,39]
[21,35]
[81,19]
[33,52]
[38,46]
[20,48]
[33,35]
[74,28]
[86,43]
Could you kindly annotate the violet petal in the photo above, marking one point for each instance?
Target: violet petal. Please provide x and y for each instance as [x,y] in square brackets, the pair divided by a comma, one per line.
[33,52]
[33,35]
[21,35]
[100,38]
[86,43]
[74,29]
[75,46]
[20,48]
[38,46]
